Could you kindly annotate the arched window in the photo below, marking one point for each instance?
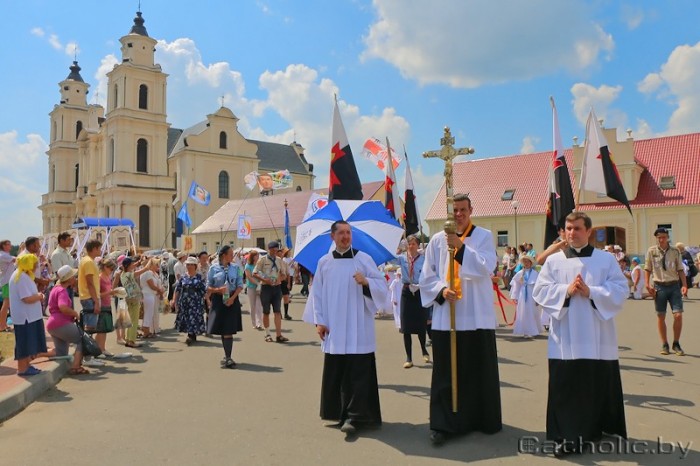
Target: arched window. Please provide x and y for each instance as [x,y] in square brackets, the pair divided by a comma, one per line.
[52,187]
[142,156]
[107,211]
[143,96]
[223,185]
[78,128]
[77,174]
[144,226]
[116,96]
[110,156]
[222,140]
[54,134]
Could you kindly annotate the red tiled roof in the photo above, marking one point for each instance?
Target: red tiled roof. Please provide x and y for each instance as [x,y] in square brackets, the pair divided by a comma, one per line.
[486,179]
[268,211]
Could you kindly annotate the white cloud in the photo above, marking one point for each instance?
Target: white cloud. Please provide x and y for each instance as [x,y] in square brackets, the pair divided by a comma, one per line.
[632,16]
[106,65]
[482,42]
[529,143]
[54,41]
[600,98]
[22,182]
[677,82]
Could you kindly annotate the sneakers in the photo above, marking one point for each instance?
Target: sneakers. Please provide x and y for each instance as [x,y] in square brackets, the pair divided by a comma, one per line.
[664,349]
[677,349]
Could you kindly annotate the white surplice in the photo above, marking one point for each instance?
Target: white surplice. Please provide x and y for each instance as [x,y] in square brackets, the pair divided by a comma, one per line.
[527,316]
[580,330]
[395,288]
[475,309]
[337,302]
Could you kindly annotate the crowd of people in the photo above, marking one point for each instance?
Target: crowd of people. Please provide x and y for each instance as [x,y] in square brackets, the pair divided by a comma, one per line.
[125,294]
[443,291]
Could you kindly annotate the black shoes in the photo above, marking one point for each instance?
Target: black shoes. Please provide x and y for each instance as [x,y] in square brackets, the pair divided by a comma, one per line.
[287,317]
[562,449]
[437,438]
[228,363]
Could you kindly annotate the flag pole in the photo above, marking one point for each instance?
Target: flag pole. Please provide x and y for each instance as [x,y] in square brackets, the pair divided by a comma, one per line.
[448,153]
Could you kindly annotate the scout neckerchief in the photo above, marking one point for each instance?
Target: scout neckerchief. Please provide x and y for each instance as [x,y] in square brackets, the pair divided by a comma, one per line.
[411,262]
[456,283]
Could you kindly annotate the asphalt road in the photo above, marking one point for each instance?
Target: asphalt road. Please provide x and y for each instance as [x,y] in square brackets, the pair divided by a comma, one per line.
[171,404]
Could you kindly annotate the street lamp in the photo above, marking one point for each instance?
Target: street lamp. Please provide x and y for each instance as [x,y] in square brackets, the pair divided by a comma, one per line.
[514,204]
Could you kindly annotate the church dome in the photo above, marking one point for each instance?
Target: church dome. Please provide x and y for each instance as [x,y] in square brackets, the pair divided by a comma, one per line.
[138,27]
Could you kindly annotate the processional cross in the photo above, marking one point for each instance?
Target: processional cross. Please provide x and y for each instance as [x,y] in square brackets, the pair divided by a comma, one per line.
[448,153]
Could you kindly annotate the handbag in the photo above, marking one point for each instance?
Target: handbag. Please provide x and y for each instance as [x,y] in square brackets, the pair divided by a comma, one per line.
[90,346]
[123,318]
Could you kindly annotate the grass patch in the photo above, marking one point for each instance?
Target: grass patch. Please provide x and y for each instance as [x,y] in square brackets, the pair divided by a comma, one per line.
[7,345]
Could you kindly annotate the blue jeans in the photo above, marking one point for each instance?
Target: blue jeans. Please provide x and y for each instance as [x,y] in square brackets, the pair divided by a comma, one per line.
[88,314]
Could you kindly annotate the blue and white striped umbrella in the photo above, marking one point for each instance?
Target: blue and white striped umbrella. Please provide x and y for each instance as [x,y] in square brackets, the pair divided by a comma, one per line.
[374,232]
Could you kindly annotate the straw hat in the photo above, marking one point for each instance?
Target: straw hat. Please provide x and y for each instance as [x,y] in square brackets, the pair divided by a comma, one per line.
[119,292]
[66,272]
[525,257]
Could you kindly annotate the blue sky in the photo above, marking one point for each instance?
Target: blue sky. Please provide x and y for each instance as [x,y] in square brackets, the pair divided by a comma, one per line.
[402,69]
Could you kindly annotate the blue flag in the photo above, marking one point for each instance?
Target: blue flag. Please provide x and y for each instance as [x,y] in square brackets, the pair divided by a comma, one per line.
[199,194]
[287,233]
[183,215]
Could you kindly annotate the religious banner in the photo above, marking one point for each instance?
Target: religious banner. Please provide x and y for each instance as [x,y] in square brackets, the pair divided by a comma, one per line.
[245,227]
[199,194]
[188,243]
[376,152]
[268,181]
[316,203]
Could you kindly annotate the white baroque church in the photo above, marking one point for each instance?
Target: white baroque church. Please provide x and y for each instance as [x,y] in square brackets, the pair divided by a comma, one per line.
[126,161]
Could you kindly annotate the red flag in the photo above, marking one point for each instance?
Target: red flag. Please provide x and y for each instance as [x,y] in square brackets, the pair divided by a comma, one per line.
[390,188]
[344,181]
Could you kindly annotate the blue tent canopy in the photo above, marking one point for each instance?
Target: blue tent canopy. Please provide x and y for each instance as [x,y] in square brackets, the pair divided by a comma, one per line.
[91,222]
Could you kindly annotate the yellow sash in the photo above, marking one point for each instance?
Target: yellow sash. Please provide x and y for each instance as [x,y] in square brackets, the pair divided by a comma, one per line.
[455,281]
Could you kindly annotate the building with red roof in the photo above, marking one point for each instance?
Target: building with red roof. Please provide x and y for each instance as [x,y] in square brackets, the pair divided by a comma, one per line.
[661,177]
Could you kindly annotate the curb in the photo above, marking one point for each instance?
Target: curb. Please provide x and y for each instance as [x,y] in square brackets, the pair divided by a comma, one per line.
[16,393]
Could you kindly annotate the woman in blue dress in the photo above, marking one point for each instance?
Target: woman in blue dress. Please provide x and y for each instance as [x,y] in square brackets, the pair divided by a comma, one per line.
[224,284]
[189,302]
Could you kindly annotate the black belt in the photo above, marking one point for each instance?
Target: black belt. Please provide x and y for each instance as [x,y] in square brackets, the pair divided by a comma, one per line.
[666,283]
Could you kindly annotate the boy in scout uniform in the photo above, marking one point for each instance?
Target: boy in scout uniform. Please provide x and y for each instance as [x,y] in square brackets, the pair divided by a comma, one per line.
[663,265]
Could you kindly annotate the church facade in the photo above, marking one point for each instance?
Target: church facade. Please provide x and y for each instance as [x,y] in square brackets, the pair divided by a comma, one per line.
[126,161]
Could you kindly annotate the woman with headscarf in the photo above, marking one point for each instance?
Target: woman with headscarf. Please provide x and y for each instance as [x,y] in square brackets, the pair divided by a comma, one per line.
[188,301]
[25,305]
[62,317]
[224,284]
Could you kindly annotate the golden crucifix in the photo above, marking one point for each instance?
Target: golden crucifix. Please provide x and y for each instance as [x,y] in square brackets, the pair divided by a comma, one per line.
[448,153]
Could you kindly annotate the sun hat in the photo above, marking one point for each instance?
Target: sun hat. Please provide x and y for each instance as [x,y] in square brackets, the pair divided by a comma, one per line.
[66,272]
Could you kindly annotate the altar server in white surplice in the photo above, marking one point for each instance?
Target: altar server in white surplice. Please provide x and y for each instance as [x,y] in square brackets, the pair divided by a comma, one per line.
[582,289]
[527,315]
[479,395]
[347,289]
[395,288]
